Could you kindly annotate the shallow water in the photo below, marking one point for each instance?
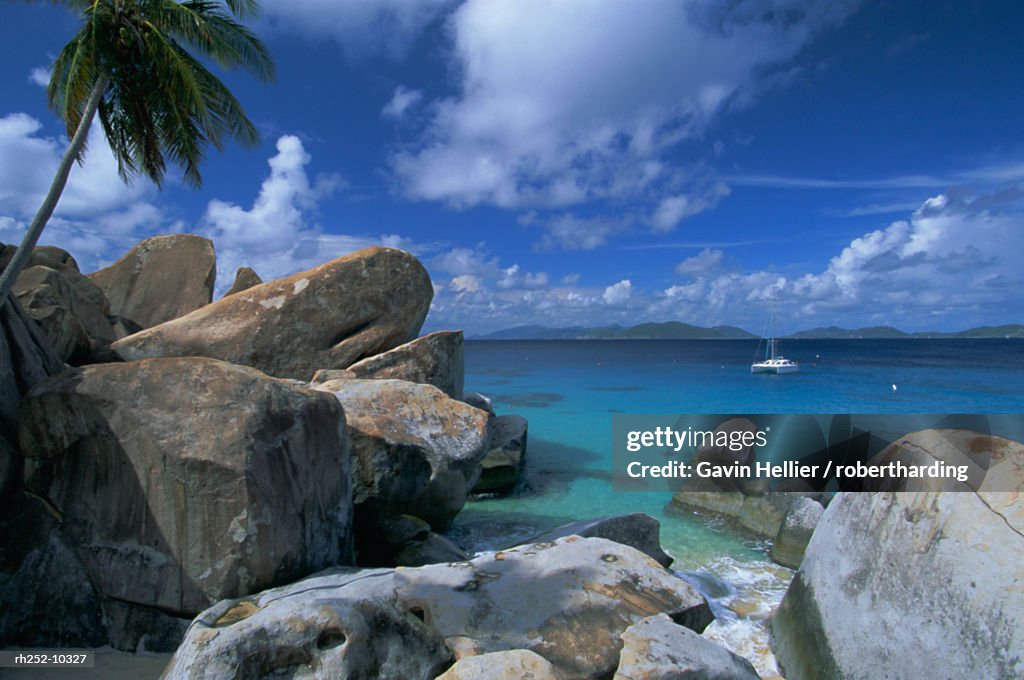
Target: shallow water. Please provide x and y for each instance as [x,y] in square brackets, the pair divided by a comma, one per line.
[569,390]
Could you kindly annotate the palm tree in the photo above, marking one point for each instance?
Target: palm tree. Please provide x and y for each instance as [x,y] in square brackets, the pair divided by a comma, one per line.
[130,62]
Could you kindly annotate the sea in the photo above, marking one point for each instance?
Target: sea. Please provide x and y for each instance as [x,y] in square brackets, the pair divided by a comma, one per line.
[569,391]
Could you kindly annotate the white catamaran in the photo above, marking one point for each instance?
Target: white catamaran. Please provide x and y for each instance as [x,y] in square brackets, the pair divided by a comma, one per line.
[773,363]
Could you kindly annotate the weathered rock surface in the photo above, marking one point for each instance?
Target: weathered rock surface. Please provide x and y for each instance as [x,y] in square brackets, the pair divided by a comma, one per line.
[245,278]
[909,585]
[990,463]
[638,530]
[73,322]
[416,450]
[160,279]
[343,624]
[327,317]
[327,374]
[795,532]
[47,256]
[568,601]
[26,358]
[179,482]
[657,648]
[515,664]
[505,455]
[435,359]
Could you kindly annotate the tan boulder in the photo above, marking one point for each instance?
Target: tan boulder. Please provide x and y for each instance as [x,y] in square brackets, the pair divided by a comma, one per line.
[514,664]
[435,359]
[327,317]
[183,481]
[416,451]
[160,279]
[245,278]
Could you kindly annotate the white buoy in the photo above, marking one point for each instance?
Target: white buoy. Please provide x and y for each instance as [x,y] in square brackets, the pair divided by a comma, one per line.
[894,388]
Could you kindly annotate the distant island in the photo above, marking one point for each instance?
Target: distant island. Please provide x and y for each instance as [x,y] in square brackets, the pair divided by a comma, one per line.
[676,330]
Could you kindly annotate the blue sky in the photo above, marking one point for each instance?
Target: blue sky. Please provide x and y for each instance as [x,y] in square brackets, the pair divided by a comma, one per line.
[594,162]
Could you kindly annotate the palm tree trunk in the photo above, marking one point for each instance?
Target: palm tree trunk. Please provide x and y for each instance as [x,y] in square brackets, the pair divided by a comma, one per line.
[24,250]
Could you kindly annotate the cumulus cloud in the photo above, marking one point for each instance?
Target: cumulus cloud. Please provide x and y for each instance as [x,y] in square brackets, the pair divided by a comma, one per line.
[618,293]
[561,103]
[279,234]
[701,264]
[28,162]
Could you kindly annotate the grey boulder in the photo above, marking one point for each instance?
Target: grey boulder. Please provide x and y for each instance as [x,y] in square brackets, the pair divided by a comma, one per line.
[657,648]
[568,601]
[506,453]
[795,531]
[891,579]
[341,624]
[514,664]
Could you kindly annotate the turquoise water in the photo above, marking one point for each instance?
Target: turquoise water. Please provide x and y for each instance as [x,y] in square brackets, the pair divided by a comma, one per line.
[569,391]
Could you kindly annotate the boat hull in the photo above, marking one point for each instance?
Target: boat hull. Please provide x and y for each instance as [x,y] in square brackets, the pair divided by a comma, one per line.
[775,368]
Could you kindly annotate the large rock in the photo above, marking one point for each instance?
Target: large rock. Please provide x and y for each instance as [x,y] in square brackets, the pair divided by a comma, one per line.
[245,278]
[506,452]
[761,514]
[909,585]
[568,601]
[416,451]
[47,256]
[657,648]
[328,317]
[434,359]
[638,530]
[796,530]
[515,664]
[344,624]
[179,482]
[73,322]
[26,358]
[986,462]
[160,279]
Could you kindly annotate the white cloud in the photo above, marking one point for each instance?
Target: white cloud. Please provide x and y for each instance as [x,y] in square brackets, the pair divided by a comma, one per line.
[674,209]
[569,232]
[561,103]
[361,27]
[400,102]
[952,264]
[467,283]
[701,264]
[279,235]
[618,293]
[40,76]
[28,162]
